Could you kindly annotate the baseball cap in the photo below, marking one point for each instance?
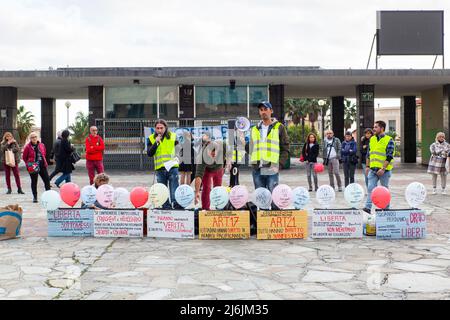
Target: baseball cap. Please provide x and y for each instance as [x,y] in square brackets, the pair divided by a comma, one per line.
[266,104]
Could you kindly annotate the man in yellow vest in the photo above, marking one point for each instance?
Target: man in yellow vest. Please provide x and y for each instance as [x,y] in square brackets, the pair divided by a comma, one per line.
[269,148]
[161,146]
[379,161]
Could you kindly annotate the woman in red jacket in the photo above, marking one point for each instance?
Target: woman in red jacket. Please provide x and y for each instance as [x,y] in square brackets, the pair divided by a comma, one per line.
[34,155]
[94,154]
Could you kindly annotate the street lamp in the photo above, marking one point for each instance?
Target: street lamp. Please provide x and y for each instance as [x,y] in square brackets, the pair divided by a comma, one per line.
[68,104]
[321,104]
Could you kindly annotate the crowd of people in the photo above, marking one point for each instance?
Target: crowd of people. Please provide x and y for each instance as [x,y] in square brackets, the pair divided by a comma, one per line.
[205,162]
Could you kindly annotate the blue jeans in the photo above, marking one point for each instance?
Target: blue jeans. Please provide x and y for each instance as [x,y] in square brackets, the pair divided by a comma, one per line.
[64,176]
[265,181]
[364,173]
[373,182]
[170,179]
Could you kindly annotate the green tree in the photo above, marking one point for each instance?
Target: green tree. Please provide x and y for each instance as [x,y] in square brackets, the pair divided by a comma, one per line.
[349,114]
[80,129]
[25,121]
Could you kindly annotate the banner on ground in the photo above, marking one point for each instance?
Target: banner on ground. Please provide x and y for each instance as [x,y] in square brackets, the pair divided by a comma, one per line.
[70,223]
[177,224]
[336,223]
[118,223]
[277,225]
[224,225]
[401,224]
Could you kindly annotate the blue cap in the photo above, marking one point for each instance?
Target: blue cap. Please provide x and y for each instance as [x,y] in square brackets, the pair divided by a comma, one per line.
[266,104]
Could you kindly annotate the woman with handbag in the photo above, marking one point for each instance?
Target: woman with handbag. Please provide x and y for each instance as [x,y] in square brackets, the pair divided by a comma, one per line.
[310,152]
[10,158]
[65,161]
[439,152]
[349,157]
[34,155]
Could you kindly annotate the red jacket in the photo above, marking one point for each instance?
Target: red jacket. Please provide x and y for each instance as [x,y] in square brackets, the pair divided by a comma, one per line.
[29,155]
[94,148]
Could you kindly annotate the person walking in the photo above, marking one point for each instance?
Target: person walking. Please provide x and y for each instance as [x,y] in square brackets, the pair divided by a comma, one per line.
[331,155]
[55,154]
[34,156]
[349,158]
[368,133]
[10,158]
[94,154]
[161,146]
[440,150]
[268,148]
[310,152]
[65,163]
[379,161]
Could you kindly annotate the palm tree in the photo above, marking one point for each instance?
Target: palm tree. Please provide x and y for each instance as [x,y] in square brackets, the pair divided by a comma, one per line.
[314,110]
[297,109]
[80,129]
[349,114]
[25,121]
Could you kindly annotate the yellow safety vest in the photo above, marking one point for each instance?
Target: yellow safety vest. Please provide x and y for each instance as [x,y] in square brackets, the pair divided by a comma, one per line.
[165,151]
[269,150]
[378,152]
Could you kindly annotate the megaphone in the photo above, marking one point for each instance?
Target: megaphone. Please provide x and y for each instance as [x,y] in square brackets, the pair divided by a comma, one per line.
[242,124]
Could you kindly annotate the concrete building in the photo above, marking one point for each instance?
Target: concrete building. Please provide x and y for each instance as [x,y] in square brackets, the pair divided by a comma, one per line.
[184,95]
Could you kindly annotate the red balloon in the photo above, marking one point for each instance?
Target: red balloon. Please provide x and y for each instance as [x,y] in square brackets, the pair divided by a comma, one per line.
[381,197]
[318,167]
[138,197]
[70,193]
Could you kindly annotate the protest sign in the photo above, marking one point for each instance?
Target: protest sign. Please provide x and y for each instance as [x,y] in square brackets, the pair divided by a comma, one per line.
[224,225]
[336,223]
[177,224]
[401,224]
[277,225]
[10,221]
[118,223]
[70,223]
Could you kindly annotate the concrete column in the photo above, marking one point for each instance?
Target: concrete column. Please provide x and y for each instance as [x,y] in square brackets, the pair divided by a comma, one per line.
[276,97]
[446,104]
[365,97]
[48,123]
[337,116]
[408,134]
[8,110]
[432,119]
[95,104]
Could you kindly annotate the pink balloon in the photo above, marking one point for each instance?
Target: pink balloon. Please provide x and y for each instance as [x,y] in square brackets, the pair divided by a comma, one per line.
[70,193]
[282,196]
[138,197]
[238,196]
[318,167]
[381,197]
[105,195]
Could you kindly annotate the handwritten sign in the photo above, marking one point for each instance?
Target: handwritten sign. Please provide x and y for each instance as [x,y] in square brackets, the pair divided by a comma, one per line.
[118,223]
[401,224]
[334,223]
[70,223]
[224,225]
[170,224]
[277,225]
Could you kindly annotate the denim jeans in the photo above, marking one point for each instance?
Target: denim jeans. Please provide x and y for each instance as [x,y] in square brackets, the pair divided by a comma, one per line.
[170,179]
[265,181]
[64,176]
[373,182]
[364,173]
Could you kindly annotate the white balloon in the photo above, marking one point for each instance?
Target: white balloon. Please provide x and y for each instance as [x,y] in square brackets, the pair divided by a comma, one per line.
[325,195]
[354,194]
[415,194]
[50,200]
[300,197]
[219,197]
[122,198]
[88,195]
[262,198]
[282,196]
[158,194]
[184,195]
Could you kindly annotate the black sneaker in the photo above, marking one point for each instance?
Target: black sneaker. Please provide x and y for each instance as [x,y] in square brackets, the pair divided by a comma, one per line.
[310,189]
[367,210]
[9,191]
[20,191]
[35,200]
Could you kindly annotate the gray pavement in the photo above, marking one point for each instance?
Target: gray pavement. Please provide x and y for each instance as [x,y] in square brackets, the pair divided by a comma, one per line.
[37,267]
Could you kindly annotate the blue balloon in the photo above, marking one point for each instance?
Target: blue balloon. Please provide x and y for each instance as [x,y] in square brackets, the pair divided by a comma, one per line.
[88,195]
[184,195]
[219,197]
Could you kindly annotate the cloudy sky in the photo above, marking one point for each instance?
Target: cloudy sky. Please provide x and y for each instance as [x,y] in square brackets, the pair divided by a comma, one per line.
[110,33]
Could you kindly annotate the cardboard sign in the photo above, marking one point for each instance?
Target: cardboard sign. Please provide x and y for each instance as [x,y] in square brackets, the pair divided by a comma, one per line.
[177,224]
[277,225]
[335,223]
[10,221]
[401,224]
[70,223]
[118,223]
[224,225]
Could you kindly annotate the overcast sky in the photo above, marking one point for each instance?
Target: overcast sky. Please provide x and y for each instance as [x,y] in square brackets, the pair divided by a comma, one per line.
[111,33]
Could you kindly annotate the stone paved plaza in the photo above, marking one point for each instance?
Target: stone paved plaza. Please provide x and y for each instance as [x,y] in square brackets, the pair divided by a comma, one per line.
[37,267]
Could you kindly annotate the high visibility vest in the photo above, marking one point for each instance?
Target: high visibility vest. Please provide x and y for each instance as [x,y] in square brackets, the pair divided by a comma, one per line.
[378,152]
[268,150]
[165,151]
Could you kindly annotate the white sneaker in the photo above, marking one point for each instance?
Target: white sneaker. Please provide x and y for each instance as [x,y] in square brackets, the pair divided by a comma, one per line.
[434,191]
[443,191]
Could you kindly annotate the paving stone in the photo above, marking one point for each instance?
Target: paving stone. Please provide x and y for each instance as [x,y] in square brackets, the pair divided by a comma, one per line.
[414,267]
[155,295]
[324,276]
[35,270]
[330,295]
[419,282]
[19,293]
[46,291]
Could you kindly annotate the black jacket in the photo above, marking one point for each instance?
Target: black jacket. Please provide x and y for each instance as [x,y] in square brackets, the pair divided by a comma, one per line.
[64,160]
[310,154]
[364,142]
[55,150]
